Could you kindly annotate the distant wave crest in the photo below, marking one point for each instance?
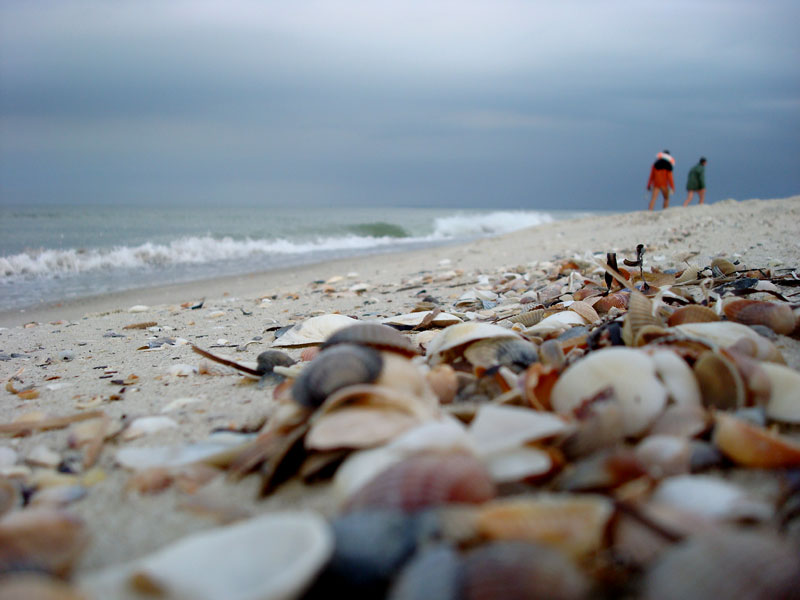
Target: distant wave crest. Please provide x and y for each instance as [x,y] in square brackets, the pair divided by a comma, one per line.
[207,249]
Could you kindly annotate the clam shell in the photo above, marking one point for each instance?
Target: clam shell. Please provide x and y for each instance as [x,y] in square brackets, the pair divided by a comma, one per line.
[456,336]
[358,427]
[724,266]
[600,425]
[778,317]
[585,310]
[434,574]
[496,428]
[375,335]
[516,570]
[725,564]
[664,455]
[753,446]
[427,479]
[630,373]
[677,377]
[721,385]
[313,331]
[529,318]
[275,556]
[415,319]
[727,333]
[574,524]
[518,464]
[692,313]
[334,369]
[784,397]
[514,353]
[444,382]
[617,300]
[711,497]
[556,323]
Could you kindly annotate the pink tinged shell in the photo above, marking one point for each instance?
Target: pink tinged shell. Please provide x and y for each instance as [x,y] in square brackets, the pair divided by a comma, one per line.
[778,317]
[575,524]
[427,479]
[630,373]
[726,564]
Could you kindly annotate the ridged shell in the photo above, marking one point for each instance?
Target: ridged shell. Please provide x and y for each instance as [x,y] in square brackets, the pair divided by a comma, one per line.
[572,523]
[333,369]
[517,570]
[313,331]
[690,273]
[514,353]
[425,480]
[457,336]
[639,316]
[778,317]
[529,318]
[753,446]
[721,385]
[724,266]
[375,335]
[614,300]
[726,564]
[692,313]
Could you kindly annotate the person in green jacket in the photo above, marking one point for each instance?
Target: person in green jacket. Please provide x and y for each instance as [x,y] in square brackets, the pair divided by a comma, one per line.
[697,182]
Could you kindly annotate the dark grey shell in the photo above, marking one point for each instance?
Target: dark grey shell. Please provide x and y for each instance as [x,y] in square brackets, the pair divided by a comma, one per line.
[333,369]
[514,353]
[374,335]
[269,359]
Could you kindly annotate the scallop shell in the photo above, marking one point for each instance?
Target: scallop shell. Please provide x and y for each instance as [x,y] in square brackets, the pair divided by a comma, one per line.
[572,523]
[725,564]
[784,397]
[529,318]
[415,319]
[556,323]
[450,339]
[375,335]
[692,313]
[639,316]
[753,446]
[630,373]
[778,317]
[425,480]
[313,331]
[334,369]
[271,557]
[689,274]
[720,383]
[514,353]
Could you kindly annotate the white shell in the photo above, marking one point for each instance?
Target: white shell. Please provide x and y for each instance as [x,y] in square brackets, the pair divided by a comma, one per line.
[727,333]
[414,319]
[710,497]
[677,377]
[313,331]
[632,375]
[560,321]
[182,370]
[138,308]
[463,333]
[8,456]
[271,557]
[664,455]
[784,399]
[147,425]
[496,428]
[136,458]
[515,464]
[42,456]
[179,404]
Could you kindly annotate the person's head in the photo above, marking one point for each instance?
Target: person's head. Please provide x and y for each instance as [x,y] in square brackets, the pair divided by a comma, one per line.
[702,160]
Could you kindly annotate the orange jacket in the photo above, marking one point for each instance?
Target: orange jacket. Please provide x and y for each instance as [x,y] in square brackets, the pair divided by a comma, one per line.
[660,178]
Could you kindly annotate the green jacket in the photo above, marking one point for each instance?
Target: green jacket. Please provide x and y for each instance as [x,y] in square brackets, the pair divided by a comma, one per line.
[697,178]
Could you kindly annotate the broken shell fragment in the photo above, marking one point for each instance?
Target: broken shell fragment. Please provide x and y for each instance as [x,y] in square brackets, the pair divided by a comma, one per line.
[313,331]
[749,445]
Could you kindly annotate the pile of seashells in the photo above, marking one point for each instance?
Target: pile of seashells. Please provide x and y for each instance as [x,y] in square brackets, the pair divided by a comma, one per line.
[581,430]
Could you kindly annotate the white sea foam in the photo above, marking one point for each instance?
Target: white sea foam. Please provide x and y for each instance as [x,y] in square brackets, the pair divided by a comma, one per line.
[193,250]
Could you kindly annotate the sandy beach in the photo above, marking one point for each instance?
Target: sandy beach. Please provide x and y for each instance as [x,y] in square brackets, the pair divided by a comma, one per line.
[129,355]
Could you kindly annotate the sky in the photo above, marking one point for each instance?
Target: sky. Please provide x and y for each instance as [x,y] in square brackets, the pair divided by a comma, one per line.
[498,103]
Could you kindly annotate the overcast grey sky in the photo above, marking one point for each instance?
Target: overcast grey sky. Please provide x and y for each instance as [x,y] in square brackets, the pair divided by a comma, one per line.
[496,103]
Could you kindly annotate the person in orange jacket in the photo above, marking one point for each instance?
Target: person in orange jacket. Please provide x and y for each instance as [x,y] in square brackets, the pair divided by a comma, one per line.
[661,178]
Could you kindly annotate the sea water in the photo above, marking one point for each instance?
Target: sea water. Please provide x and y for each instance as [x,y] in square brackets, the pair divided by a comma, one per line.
[54,253]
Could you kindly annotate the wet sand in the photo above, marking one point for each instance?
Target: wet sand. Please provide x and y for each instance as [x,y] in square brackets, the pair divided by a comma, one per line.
[79,356]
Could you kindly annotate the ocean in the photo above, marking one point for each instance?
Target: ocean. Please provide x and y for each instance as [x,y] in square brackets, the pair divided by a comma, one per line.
[50,254]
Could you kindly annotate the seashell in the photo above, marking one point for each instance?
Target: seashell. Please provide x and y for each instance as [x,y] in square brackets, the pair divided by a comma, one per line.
[374,335]
[518,464]
[600,425]
[42,456]
[271,557]
[574,524]
[59,496]
[424,480]
[8,495]
[417,319]
[180,404]
[692,313]
[725,564]
[585,310]
[682,420]
[314,330]
[639,316]
[689,274]
[727,333]
[677,377]
[496,428]
[434,574]
[8,456]
[752,446]
[444,382]
[537,382]
[552,354]
[449,341]
[723,265]
[215,450]
[41,539]
[778,317]
[606,469]
[138,308]
[617,300]
[35,586]
[711,497]
[529,318]
[784,396]
[721,385]
[146,426]
[406,377]
[556,323]
[664,455]
[515,353]
[334,369]
[310,353]
[630,373]
[269,359]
